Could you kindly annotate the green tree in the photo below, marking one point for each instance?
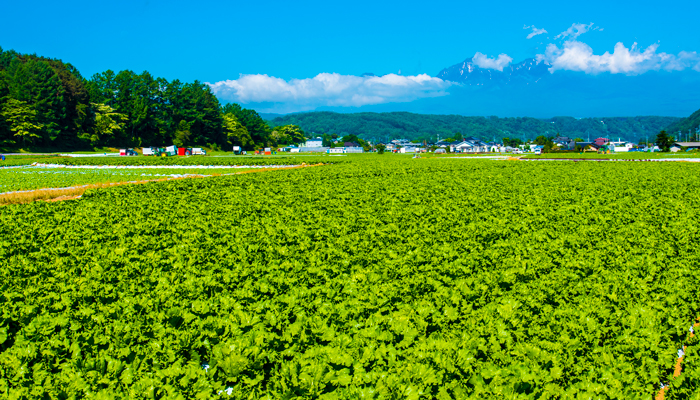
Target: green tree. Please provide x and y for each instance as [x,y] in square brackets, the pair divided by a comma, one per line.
[35,83]
[515,142]
[380,148]
[664,141]
[290,134]
[353,139]
[107,123]
[102,88]
[327,141]
[22,121]
[203,110]
[5,134]
[76,100]
[182,134]
[236,133]
[541,140]
[257,127]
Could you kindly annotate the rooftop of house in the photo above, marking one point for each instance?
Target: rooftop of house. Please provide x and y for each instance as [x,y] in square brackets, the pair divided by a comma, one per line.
[688,144]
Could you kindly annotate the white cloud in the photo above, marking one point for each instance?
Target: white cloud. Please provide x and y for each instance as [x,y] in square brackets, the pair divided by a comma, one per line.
[483,61]
[576,30]
[327,89]
[578,56]
[574,55]
[534,32]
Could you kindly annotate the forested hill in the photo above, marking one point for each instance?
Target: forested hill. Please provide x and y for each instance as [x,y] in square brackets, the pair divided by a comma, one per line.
[395,125]
[692,124]
[47,104]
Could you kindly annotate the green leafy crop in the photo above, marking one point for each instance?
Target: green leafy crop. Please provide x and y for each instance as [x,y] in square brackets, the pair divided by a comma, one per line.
[383,278]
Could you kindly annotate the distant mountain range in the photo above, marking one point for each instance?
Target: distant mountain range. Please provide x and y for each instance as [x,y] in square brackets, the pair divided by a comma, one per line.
[528,88]
[526,72]
[687,126]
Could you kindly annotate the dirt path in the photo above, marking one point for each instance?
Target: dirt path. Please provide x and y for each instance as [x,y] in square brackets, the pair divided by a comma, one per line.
[677,369]
[75,192]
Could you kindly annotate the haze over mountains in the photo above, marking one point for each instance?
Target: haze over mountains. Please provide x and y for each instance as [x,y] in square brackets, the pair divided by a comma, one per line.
[527,72]
[528,88]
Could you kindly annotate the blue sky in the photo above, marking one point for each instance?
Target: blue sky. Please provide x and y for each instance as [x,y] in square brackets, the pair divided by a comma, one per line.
[215,41]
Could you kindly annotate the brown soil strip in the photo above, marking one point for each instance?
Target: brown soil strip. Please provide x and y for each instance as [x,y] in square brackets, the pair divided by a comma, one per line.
[73,193]
[677,369]
[64,197]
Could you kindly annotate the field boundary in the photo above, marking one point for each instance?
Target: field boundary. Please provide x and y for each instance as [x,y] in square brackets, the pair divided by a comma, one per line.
[76,192]
[677,368]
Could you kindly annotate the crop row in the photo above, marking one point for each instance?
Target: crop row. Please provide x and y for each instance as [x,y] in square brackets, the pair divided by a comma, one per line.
[381,278]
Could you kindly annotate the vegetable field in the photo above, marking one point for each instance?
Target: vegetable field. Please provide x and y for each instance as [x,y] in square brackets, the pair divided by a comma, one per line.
[376,278]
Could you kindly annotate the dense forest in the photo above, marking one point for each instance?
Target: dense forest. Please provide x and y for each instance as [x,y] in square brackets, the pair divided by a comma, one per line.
[395,125]
[46,104]
[686,128]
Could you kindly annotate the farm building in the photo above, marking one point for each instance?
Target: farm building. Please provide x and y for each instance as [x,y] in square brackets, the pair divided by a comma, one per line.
[688,145]
[317,142]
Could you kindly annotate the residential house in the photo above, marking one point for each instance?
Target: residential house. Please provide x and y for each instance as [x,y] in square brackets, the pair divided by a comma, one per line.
[446,144]
[620,146]
[588,146]
[413,147]
[601,141]
[564,142]
[471,145]
[316,142]
[313,149]
[464,147]
[689,145]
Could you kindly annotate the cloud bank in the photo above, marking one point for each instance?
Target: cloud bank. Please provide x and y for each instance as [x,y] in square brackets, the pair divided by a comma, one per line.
[483,61]
[534,32]
[329,90]
[568,53]
[574,55]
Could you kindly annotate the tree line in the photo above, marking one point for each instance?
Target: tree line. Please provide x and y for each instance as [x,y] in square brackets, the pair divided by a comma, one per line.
[46,103]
